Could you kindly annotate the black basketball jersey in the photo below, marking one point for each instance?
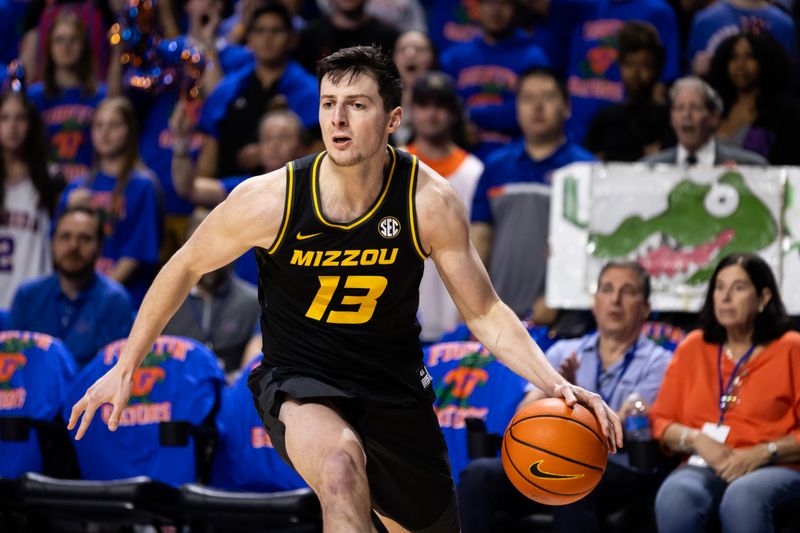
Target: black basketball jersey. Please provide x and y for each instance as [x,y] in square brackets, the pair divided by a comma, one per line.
[339,300]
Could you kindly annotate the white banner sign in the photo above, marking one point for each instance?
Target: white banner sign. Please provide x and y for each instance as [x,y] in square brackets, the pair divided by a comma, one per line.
[676,223]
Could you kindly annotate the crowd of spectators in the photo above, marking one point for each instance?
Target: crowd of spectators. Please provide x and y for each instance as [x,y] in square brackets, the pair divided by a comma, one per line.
[102,180]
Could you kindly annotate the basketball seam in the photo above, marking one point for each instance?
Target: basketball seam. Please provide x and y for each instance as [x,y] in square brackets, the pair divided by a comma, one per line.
[562,418]
[555,454]
[511,461]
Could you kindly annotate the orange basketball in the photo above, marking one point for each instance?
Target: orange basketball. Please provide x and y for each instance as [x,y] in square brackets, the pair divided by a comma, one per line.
[553,454]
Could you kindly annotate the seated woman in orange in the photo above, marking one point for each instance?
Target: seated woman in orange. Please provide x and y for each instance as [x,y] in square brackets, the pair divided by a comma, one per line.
[731,400]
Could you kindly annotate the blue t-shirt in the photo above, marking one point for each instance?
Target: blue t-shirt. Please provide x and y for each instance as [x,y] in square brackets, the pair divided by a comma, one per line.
[513,164]
[298,86]
[67,119]
[100,314]
[486,79]
[451,22]
[245,458]
[35,371]
[132,228]
[470,383]
[593,77]
[721,20]
[179,380]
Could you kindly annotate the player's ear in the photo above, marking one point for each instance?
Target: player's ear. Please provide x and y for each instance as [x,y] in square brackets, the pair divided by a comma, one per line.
[395,119]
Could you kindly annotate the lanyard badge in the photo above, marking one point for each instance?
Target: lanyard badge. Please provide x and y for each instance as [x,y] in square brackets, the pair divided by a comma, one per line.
[726,398]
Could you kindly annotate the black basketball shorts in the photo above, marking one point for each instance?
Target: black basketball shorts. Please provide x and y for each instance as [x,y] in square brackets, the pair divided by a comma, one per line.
[407,465]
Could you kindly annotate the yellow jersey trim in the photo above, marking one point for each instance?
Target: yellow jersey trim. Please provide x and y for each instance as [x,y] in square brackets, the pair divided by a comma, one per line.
[412,212]
[362,218]
[287,209]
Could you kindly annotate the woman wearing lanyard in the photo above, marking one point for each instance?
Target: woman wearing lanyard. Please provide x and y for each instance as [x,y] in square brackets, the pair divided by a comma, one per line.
[731,402]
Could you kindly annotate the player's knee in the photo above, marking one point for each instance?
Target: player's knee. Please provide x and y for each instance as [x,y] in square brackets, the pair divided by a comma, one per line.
[340,475]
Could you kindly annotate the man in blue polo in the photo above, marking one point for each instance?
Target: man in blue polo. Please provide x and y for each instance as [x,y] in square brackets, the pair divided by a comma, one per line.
[511,206]
[616,361]
[83,308]
[232,112]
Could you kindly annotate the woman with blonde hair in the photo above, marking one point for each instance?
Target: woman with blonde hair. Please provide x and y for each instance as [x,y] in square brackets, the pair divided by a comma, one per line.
[126,194]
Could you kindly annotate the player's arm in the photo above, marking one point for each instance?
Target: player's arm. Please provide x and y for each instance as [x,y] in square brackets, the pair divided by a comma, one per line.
[444,232]
[251,216]
[481,235]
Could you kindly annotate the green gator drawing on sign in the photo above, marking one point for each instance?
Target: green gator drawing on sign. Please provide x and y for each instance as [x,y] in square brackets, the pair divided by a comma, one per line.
[702,222]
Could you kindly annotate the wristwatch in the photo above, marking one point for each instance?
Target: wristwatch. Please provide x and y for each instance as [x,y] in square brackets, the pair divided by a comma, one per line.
[773,453]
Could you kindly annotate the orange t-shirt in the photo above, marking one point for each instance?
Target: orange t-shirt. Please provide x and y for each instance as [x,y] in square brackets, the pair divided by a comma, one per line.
[444,166]
[768,405]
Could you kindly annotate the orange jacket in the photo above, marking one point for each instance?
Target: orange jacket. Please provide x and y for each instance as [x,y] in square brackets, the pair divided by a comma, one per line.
[768,405]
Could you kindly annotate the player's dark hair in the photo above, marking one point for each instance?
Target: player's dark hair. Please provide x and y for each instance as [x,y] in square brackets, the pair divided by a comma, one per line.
[546,72]
[100,235]
[271,8]
[356,61]
[773,320]
[639,270]
[637,36]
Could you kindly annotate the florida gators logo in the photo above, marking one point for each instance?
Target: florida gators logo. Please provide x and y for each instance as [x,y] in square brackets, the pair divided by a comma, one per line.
[600,59]
[468,11]
[9,363]
[459,383]
[145,378]
[464,380]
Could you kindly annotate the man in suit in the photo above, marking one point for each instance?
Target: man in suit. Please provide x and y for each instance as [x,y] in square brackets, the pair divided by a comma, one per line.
[695,111]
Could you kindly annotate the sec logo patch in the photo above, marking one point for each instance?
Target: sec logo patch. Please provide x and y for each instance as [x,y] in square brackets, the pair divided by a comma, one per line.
[389,227]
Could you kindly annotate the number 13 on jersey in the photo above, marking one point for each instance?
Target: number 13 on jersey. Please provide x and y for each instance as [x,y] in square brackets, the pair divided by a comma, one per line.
[374,285]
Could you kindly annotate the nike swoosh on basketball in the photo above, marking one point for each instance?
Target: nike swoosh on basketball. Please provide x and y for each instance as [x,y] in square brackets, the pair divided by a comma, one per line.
[547,475]
[301,237]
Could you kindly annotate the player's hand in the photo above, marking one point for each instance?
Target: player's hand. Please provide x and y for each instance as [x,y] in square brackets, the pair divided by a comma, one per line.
[115,388]
[609,421]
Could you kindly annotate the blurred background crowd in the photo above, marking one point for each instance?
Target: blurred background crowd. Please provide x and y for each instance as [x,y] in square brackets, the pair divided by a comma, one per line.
[122,123]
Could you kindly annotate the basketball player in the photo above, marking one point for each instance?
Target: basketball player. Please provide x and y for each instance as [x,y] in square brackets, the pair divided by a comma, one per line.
[341,238]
